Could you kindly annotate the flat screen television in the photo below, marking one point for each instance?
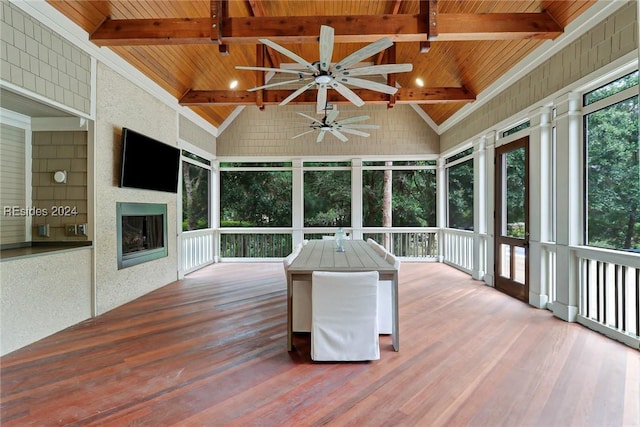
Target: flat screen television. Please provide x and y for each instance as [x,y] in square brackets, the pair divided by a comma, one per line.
[148,163]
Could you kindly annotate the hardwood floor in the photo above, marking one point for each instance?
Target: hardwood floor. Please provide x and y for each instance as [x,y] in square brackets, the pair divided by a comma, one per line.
[210,350]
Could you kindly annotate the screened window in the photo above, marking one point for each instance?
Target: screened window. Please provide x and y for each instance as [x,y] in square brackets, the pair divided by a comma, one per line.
[196,191]
[460,190]
[399,194]
[612,165]
[255,195]
[515,129]
[327,194]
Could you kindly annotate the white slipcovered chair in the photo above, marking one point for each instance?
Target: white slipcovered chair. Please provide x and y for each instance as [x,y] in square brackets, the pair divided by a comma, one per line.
[301,296]
[344,316]
[380,250]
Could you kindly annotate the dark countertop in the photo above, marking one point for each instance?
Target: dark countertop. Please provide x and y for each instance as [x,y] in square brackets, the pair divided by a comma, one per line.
[38,248]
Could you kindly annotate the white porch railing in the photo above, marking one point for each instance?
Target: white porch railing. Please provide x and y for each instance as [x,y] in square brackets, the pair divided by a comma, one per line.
[457,249]
[406,243]
[610,293]
[197,249]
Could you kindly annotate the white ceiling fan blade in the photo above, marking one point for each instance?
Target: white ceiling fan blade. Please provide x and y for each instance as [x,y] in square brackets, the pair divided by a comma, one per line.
[364,53]
[347,93]
[311,118]
[303,133]
[355,132]
[356,126]
[297,92]
[321,136]
[326,47]
[368,84]
[331,116]
[277,70]
[377,69]
[352,120]
[268,85]
[321,101]
[338,135]
[286,52]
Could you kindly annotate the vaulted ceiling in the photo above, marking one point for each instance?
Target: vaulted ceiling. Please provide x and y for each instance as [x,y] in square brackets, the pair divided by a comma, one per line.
[191,48]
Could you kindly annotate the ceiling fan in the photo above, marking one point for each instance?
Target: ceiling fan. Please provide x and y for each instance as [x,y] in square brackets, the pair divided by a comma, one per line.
[336,128]
[323,75]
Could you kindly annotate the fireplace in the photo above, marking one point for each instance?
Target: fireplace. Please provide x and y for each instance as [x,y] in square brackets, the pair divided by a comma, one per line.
[142,232]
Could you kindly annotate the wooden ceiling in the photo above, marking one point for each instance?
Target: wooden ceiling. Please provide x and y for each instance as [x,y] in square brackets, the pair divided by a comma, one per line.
[191,48]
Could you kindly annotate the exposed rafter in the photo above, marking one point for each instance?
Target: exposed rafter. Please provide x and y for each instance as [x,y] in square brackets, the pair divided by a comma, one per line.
[274,97]
[355,28]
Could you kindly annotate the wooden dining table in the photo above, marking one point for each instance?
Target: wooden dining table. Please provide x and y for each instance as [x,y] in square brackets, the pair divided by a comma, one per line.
[358,255]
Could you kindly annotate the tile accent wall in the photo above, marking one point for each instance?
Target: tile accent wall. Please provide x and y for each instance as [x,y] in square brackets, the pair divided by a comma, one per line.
[34,57]
[65,203]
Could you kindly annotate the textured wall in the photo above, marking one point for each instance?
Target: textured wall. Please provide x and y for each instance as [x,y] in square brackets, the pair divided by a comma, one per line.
[613,38]
[194,134]
[41,61]
[53,293]
[52,151]
[269,133]
[122,104]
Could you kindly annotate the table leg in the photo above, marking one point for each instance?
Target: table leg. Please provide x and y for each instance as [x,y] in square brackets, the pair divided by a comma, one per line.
[396,317]
[289,312]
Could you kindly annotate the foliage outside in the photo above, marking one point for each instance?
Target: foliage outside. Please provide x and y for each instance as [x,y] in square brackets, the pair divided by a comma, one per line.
[255,198]
[612,171]
[195,197]
[460,195]
[413,198]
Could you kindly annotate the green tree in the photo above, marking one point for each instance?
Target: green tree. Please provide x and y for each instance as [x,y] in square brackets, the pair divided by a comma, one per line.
[327,198]
[460,195]
[255,199]
[195,197]
[613,176]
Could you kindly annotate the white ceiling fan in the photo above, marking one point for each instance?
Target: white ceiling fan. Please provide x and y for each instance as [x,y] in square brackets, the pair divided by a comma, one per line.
[323,75]
[336,128]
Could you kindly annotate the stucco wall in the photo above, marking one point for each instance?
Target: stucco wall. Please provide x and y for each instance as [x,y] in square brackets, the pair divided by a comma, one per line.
[269,132]
[120,104]
[43,294]
[611,39]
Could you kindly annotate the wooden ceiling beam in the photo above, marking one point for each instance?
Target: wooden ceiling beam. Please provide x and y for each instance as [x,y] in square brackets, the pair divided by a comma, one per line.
[348,29]
[257,9]
[435,95]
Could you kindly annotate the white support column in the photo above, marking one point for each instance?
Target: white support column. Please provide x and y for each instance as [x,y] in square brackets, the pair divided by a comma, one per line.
[539,179]
[297,202]
[479,209]
[215,208]
[490,153]
[356,198]
[441,204]
[568,215]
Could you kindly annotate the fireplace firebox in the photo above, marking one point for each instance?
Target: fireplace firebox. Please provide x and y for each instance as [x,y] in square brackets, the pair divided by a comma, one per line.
[142,232]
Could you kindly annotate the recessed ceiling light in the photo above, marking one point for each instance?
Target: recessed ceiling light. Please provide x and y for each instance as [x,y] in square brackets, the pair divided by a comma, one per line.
[233,84]
[419,82]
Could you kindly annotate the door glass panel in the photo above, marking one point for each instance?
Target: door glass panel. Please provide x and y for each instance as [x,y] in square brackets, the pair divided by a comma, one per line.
[519,264]
[515,192]
[505,261]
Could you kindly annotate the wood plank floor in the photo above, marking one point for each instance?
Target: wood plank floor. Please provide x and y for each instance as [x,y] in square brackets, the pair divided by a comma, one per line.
[210,350]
